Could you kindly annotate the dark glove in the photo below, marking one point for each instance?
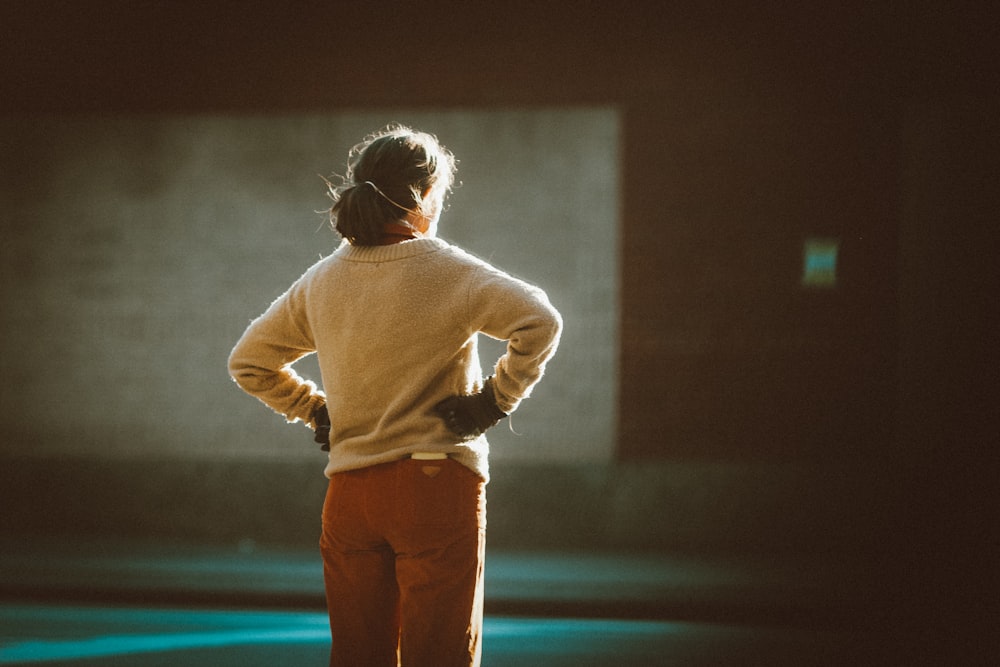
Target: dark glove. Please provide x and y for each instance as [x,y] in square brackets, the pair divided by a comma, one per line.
[322,420]
[470,416]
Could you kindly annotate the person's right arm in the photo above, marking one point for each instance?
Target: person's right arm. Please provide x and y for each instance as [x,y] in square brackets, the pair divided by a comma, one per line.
[261,362]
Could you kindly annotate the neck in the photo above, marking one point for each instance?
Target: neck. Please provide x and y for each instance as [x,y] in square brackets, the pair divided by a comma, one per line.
[396,232]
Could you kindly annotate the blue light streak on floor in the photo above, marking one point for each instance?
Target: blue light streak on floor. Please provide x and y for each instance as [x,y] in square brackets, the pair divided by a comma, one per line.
[84,632]
[94,647]
[119,636]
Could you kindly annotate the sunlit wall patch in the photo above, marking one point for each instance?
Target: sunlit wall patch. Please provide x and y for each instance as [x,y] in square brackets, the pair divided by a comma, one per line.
[819,262]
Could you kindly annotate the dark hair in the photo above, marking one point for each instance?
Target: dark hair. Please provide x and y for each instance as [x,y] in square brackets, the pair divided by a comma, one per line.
[388,174]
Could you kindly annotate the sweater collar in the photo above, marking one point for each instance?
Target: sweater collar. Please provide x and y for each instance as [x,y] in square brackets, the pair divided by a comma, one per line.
[389,253]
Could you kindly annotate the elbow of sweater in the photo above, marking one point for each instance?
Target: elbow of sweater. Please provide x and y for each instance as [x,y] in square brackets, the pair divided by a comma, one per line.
[250,378]
[254,381]
[550,331]
[237,368]
[556,328]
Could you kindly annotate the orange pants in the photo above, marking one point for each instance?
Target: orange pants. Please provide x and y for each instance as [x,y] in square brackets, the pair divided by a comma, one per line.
[403,553]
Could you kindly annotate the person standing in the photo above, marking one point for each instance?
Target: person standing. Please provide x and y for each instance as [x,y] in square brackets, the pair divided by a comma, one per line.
[393,315]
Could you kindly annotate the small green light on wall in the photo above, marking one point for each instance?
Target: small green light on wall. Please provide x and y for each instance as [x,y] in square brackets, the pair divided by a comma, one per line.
[819,262]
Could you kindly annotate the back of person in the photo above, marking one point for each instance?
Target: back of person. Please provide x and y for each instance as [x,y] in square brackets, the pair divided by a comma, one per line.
[394,315]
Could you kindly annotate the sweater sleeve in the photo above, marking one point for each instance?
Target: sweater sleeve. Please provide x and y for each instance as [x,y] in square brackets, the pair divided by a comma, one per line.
[511,310]
[261,362]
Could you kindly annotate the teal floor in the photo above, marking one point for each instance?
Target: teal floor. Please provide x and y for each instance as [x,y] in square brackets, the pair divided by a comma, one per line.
[136,636]
[118,604]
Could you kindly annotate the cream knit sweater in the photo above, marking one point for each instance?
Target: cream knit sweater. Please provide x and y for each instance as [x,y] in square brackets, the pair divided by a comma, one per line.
[395,329]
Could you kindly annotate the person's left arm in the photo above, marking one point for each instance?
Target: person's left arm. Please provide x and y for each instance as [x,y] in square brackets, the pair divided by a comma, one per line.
[508,309]
[511,310]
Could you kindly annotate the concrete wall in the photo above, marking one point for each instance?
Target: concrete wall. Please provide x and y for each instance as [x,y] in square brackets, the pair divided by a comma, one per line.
[139,247]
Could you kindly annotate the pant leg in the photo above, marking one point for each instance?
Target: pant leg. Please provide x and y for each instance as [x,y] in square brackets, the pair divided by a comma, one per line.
[359,575]
[440,544]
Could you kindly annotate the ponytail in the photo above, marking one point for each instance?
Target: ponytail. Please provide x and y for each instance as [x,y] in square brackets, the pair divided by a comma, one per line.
[359,214]
[387,177]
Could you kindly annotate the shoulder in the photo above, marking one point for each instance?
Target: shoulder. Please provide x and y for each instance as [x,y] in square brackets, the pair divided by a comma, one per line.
[493,281]
[468,260]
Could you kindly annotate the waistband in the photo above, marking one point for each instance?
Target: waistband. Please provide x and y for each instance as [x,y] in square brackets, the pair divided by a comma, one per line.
[428,456]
